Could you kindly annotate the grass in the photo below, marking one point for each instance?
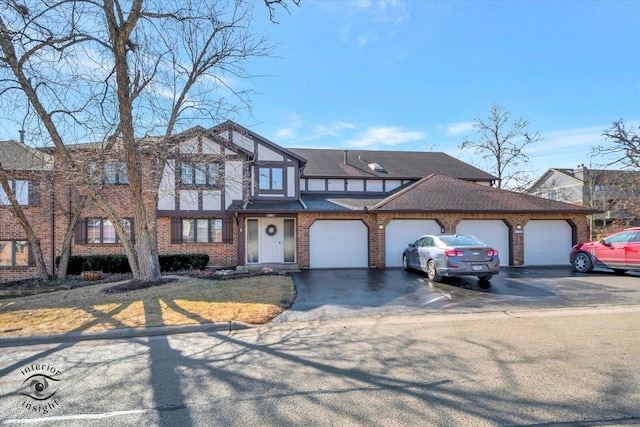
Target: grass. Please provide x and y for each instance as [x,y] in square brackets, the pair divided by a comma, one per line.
[185,301]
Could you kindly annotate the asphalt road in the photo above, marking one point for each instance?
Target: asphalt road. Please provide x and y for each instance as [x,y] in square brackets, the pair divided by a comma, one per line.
[338,294]
[538,348]
[565,368]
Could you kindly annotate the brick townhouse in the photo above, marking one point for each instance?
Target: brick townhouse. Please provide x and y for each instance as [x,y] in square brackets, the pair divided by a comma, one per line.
[246,201]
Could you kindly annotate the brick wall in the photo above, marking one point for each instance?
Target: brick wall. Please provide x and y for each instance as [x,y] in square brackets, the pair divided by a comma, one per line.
[449,221]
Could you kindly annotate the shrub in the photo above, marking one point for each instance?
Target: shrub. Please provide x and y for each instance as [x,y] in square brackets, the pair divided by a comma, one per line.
[117,263]
[183,262]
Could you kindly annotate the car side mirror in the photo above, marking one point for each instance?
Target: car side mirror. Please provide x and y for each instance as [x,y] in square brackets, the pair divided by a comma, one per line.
[411,245]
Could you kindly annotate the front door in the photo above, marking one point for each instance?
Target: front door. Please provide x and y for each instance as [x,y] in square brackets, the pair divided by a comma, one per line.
[272,233]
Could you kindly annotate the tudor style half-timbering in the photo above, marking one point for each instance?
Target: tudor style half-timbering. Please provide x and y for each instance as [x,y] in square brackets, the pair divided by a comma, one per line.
[248,202]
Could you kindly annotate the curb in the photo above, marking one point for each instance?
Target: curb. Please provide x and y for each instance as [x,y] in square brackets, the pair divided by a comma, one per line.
[121,333]
[512,314]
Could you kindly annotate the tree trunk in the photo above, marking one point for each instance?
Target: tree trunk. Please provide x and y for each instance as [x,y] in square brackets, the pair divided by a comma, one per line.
[65,254]
[34,245]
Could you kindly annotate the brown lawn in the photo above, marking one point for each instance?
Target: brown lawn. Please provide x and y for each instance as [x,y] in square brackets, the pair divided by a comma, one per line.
[186,301]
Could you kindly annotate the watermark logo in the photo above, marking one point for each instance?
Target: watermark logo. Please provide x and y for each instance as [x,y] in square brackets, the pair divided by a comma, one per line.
[39,387]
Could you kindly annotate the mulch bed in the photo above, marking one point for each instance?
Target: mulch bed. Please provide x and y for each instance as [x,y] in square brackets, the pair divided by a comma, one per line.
[133,285]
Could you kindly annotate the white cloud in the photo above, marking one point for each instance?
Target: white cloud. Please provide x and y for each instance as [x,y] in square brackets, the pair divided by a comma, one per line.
[285,133]
[364,39]
[385,136]
[458,128]
[300,131]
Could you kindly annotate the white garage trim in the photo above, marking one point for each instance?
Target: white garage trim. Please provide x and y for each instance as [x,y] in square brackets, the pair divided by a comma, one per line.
[494,232]
[338,244]
[401,232]
[547,242]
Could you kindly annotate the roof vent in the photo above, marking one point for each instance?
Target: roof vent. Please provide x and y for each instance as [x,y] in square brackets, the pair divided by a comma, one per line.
[376,167]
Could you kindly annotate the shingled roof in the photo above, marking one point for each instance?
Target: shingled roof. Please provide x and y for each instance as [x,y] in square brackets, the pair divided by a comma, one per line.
[16,156]
[396,164]
[604,176]
[437,193]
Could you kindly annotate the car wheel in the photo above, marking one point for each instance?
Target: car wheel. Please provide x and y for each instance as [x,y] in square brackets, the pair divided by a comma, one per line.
[432,272]
[405,263]
[582,263]
[619,271]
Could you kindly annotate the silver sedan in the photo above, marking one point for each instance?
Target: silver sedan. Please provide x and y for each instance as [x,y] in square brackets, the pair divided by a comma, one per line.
[452,255]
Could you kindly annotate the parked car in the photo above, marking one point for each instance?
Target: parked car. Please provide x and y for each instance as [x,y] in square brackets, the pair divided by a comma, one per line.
[619,251]
[452,255]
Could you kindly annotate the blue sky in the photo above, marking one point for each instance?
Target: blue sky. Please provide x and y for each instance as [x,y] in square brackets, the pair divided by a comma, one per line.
[413,75]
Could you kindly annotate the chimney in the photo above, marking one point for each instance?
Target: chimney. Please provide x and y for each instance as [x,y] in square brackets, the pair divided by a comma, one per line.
[579,171]
[21,131]
[346,158]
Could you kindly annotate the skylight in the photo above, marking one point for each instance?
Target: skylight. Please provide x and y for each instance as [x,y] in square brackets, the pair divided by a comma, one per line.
[376,167]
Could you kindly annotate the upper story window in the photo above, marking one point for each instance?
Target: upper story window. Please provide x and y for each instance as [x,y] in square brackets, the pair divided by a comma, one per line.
[110,172]
[201,174]
[14,253]
[27,193]
[552,194]
[21,190]
[270,178]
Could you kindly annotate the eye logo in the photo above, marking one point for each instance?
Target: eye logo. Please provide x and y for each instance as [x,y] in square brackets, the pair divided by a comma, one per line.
[39,387]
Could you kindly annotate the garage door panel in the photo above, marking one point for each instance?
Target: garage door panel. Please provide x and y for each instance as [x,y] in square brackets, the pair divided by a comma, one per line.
[338,244]
[401,232]
[494,233]
[547,242]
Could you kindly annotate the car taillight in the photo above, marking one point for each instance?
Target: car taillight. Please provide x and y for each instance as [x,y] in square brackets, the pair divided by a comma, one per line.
[451,252]
[492,252]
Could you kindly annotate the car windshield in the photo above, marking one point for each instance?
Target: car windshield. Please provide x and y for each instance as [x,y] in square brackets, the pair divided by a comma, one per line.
[461,241]
[623,237]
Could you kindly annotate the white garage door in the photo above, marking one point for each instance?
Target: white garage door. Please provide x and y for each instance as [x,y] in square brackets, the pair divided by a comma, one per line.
[338,244]
[401,232]
[547,242]
[494,233]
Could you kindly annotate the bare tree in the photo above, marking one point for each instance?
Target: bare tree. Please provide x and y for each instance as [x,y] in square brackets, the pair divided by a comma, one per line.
[622,146]
[502,142]
[621,150]
[99,71]
[32,238]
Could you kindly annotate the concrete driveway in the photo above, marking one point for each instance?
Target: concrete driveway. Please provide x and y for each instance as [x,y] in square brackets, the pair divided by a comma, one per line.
[348,293]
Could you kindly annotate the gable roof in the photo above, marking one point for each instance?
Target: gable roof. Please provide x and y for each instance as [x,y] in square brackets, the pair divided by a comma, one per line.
[395,164]
[593,176]
[437,193]
[16,156]
[233,126]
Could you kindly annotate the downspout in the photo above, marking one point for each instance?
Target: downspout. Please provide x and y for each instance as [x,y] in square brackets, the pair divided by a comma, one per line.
[52,244]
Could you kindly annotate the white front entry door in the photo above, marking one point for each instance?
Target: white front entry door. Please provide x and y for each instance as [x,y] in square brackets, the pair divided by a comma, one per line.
[272,234]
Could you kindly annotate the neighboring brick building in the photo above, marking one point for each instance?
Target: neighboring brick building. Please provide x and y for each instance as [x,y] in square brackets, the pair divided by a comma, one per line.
[246,201]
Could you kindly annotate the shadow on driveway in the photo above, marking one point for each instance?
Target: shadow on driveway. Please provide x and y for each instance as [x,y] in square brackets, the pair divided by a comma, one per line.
[346,293]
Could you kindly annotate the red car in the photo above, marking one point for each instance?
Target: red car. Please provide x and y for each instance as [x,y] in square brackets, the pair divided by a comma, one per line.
[619,252]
